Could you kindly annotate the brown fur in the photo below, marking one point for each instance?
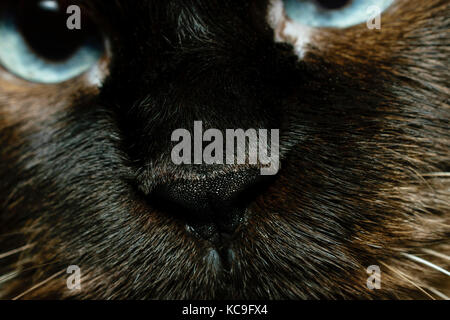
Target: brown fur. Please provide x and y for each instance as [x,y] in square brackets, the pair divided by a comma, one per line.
[365,170]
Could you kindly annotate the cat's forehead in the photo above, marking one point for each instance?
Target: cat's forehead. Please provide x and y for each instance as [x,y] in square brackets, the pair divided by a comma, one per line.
[157,7]
[171,14]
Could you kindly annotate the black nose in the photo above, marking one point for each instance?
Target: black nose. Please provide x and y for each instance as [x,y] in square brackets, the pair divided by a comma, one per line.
[213,207]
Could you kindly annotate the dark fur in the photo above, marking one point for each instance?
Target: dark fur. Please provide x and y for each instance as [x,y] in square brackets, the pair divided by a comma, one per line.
[364,121]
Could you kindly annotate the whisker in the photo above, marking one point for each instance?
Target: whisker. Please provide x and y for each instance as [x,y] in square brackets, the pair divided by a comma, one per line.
[427,263]
[8,276]
[437,174]
[21,249]
[40,284]
[12,275]
[436,254]
[403,276]
[39,266]
[438,293]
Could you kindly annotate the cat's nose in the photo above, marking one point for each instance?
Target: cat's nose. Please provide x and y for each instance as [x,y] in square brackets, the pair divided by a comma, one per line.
[212,207]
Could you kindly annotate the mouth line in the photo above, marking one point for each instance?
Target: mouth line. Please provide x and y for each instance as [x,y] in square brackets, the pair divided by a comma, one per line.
[223,252]
[215,226]
[223,242]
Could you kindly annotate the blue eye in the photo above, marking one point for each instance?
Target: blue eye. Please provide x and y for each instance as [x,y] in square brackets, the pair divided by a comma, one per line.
[332,13]
[36,44]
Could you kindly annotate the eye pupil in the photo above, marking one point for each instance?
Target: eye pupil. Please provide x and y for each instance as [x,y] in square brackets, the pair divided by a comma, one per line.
[43,27]
[333,4]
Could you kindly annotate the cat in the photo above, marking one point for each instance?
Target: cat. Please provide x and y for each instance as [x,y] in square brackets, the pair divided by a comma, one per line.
[87,182]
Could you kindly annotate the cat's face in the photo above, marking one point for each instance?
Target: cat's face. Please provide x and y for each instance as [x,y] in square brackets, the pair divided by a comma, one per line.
[87,179]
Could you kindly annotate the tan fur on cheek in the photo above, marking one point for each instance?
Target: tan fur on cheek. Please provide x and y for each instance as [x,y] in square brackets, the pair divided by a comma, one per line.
[29,103]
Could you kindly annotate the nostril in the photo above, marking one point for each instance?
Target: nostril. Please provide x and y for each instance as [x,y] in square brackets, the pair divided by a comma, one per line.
[210,205]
